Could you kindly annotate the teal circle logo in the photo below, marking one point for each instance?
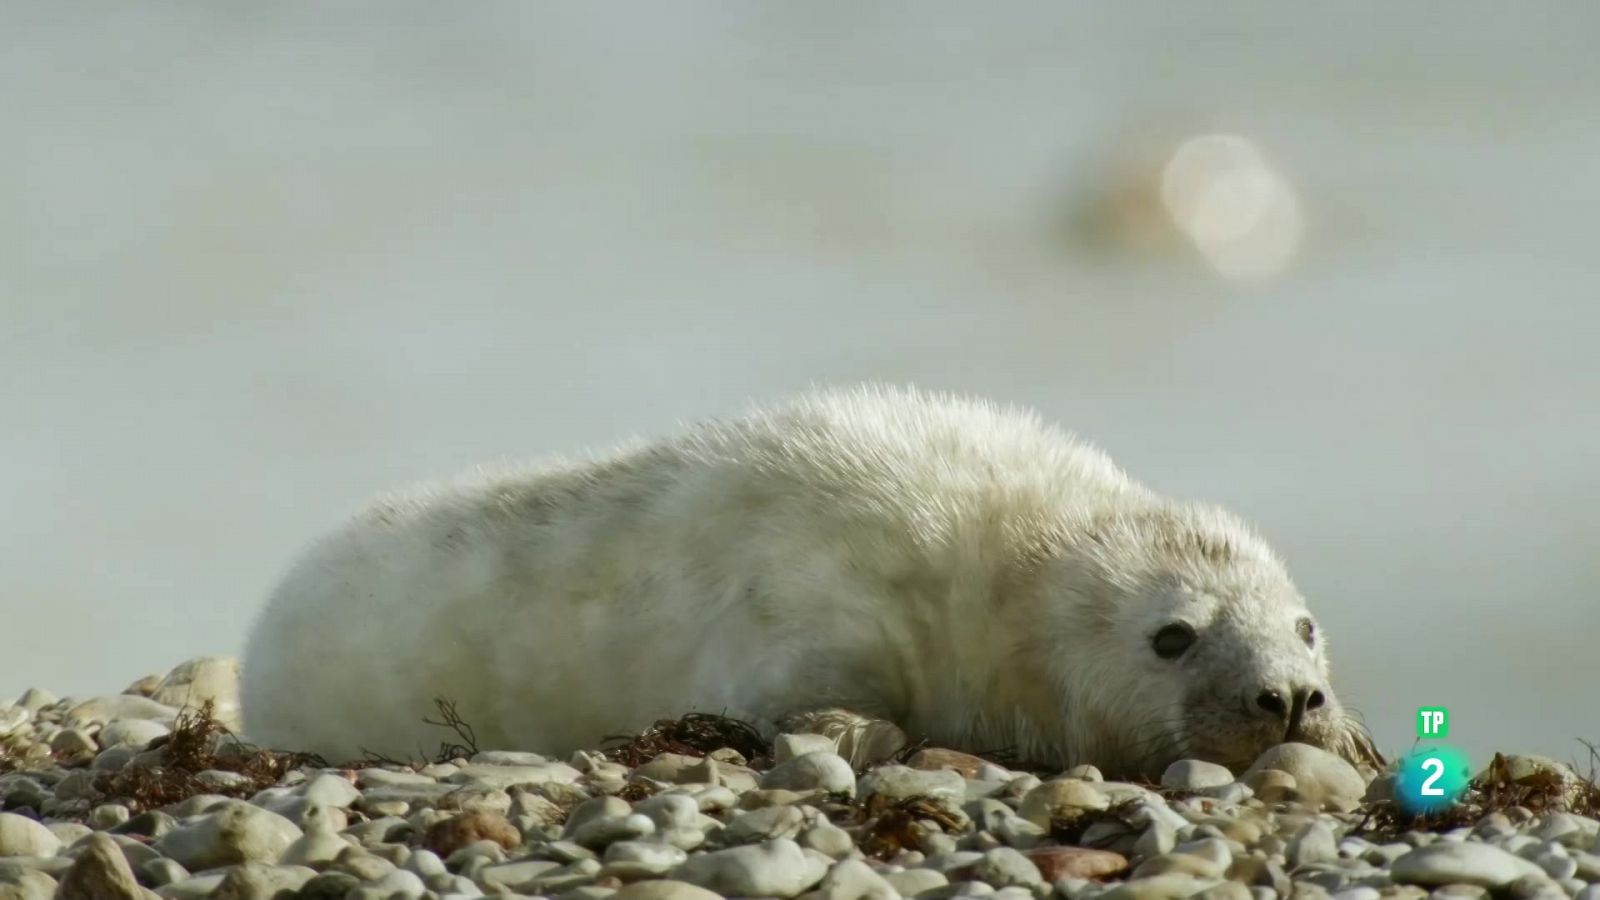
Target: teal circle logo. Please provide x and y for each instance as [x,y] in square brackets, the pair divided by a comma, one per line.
[1432,779]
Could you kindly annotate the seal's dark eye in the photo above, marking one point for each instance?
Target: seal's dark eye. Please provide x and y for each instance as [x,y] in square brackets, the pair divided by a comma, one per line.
[1307,631]
[1171,641]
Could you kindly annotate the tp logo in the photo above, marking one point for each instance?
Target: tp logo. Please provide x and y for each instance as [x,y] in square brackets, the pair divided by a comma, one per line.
[1432,778]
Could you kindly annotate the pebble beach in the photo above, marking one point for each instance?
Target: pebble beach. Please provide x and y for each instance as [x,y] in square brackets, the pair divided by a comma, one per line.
[153,793]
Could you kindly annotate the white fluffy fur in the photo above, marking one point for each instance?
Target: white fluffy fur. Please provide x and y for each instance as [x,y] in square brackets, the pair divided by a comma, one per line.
[960,569]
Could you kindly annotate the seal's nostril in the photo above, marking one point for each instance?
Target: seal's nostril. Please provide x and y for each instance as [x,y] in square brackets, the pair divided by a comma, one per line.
[1316,700]
[1272,702]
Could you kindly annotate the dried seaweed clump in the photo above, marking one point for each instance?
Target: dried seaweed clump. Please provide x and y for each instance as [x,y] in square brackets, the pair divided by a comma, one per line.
[634,791]
[198,743]
[895,826]
[695,734]
[451,719]
[1069,832]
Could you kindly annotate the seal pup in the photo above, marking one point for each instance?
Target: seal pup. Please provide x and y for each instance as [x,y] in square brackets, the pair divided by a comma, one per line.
[962,570]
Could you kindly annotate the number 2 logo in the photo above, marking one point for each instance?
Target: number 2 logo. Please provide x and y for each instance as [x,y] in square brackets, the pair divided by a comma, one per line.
[1436,766]
[1430,781]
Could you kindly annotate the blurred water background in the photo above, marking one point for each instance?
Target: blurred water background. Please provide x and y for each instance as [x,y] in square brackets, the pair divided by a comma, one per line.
[1332,265]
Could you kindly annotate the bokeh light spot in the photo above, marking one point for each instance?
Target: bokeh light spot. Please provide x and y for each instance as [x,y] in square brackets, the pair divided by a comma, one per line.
[1239,212]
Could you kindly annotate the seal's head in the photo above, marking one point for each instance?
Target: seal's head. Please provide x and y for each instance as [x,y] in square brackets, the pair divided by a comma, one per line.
[1201,646]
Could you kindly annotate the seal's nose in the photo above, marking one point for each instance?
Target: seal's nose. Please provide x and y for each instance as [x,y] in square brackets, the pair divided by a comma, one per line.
[1301,699]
